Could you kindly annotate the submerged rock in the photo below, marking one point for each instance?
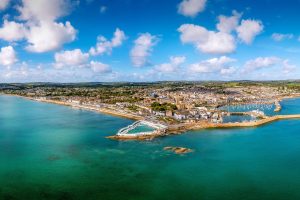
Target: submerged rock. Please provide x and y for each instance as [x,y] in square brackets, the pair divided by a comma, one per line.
[178,150]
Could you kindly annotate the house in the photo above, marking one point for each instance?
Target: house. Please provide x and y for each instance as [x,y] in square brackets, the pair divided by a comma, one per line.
[169,113]
[179,116]
[158,113]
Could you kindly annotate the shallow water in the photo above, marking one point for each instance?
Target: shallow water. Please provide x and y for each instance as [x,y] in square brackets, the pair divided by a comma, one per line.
[55,152]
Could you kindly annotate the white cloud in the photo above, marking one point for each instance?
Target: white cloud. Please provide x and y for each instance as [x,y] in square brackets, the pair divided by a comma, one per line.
[30,72]
[218,43]
[249,29]
[228,24]
[12,31]
[228,71]
[43,10]
[177,60]
[72,58]
[8,56]
[260,63]
[279,68]
[287,67]
[39,27]
[207,41]
[172,66]
[77,59]
[15,73]
[279,36]
[191,33]
[191,8]
[99,67]
[214,65]
[105,46]
[223,40]
[4,4]
[49,36]
[142,49]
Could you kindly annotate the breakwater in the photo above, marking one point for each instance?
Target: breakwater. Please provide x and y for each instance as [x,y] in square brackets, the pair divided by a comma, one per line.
[204,125]
[183,127]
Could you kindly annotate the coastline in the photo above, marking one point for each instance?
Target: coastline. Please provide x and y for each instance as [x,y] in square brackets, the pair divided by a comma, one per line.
[99,110]
[171,129]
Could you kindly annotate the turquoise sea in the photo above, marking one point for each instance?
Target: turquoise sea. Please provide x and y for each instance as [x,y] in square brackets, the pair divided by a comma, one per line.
[55,152]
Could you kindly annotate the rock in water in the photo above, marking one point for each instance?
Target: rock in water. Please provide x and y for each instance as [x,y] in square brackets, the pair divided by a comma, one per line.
[178,150]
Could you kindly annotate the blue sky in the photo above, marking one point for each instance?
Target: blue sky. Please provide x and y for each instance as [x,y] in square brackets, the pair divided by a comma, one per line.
[148,40]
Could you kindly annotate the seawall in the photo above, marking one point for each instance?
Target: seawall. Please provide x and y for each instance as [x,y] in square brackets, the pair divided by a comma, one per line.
[196,126]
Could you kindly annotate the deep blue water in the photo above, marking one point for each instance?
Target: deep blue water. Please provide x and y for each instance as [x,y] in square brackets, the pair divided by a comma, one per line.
[55,152]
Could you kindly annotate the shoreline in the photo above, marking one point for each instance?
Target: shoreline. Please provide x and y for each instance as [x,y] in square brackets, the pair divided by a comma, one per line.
[83,107]
[171,129]
[99,110]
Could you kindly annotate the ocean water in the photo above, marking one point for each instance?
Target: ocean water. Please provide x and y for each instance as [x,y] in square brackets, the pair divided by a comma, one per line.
[290,106]
[55,152]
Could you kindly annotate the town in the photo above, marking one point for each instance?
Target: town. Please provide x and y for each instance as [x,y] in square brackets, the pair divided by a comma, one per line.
[166,102]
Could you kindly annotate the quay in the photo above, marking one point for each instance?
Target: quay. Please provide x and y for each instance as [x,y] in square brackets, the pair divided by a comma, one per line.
[197,126]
